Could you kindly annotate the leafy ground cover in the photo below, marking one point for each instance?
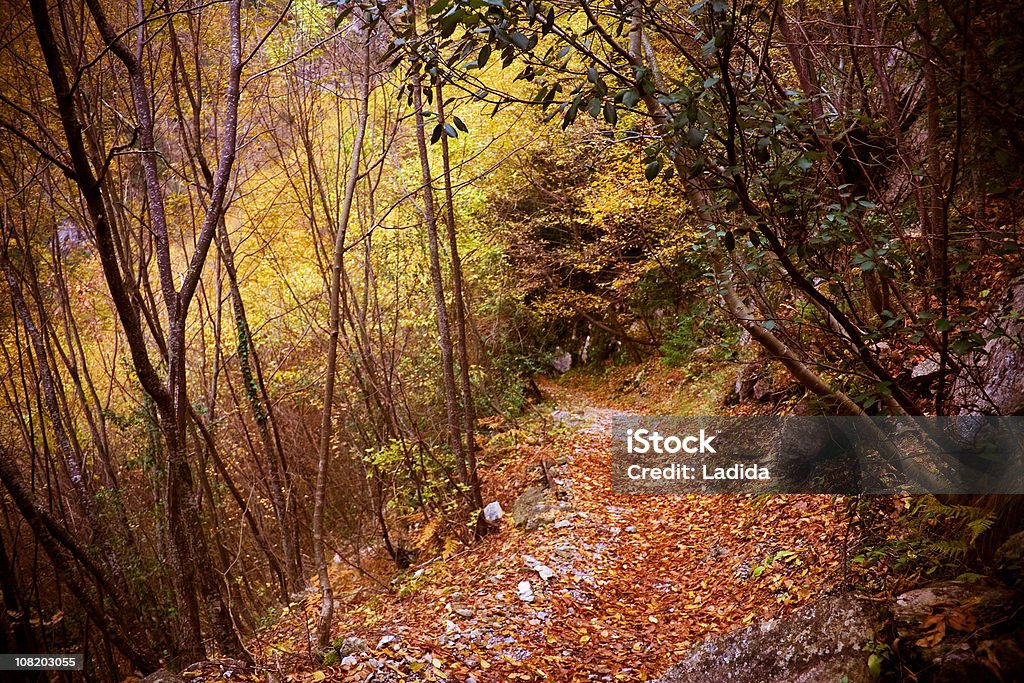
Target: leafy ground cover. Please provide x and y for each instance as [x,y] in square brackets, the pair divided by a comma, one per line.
[616,588]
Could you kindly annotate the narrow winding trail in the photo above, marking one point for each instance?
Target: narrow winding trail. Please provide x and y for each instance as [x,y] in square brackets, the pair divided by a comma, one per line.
[619,586]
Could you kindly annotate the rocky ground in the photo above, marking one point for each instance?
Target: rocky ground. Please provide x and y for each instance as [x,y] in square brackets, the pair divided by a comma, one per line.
[576,583]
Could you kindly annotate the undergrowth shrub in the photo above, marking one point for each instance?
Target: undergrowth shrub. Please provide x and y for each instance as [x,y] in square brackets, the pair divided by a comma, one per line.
[908,538]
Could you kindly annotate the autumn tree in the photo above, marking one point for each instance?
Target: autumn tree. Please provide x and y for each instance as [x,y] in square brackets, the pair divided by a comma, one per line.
[795,180]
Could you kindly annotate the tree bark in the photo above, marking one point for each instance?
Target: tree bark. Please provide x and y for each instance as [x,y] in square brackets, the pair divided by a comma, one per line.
[444,337]
[460,308]
[326,423]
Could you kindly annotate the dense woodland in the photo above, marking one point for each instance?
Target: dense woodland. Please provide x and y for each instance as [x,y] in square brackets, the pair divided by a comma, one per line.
[273,270]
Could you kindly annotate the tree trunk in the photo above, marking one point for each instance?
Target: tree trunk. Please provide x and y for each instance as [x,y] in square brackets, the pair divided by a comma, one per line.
[444,338]
[326,430]
[460,308]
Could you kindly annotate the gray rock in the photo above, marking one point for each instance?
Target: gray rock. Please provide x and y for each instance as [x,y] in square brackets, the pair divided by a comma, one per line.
[532,509]
[988,603]
[960,664]
[992,381]
[536,565]
[963,610]
[219,668]
[351,646]
[926,368]
[493,512]
[562,360]
[823,641]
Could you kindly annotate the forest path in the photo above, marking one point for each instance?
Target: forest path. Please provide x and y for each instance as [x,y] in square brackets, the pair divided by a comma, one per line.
[618,586]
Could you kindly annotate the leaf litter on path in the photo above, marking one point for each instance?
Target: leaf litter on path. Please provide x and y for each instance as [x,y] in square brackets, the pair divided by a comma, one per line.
[616,589]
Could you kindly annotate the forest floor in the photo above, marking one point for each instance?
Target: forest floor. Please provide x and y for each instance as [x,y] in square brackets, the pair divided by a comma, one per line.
[621,585]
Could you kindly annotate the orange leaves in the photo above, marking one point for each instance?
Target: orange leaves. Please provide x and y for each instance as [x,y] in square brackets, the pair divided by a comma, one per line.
[636,580]
[935,626]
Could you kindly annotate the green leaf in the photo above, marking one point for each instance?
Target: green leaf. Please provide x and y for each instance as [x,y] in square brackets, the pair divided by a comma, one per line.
[459,124]
[611,116]
[436,135]
[943,325]
[485,54]
[695,138]
[875,665]
[652,169]
[570,114]
[522,41]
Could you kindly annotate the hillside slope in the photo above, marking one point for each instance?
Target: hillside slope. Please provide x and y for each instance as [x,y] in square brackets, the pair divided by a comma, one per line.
[618,586]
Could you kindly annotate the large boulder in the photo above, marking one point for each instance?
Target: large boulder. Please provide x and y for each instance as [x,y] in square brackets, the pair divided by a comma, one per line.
[532,509]
[823,641]
[917,612]
[954,631]
[992,381]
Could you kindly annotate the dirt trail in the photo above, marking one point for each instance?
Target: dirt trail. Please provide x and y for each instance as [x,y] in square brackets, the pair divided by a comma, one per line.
[619,586]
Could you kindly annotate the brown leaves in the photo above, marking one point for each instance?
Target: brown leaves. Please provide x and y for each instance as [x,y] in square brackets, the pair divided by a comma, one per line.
[957,618]
[636,580]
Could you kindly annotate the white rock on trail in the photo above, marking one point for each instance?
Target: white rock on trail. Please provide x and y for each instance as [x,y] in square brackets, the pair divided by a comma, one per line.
[493,512]
[543,570]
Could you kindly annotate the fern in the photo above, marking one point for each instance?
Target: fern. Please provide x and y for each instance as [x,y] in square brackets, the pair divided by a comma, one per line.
[947,532]
[937,539]
[979,526]
[429,534]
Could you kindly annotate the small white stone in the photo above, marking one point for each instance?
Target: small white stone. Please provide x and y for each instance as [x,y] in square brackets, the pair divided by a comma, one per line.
[493,512]
[525,591]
